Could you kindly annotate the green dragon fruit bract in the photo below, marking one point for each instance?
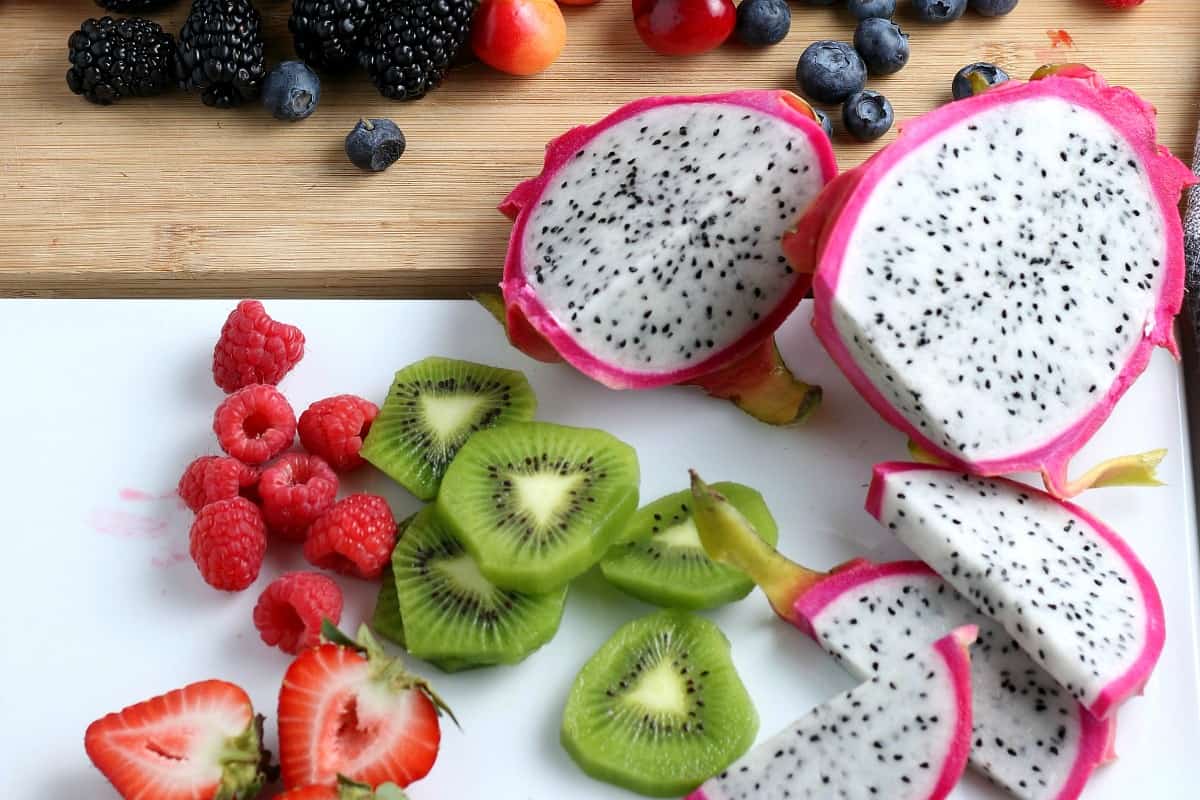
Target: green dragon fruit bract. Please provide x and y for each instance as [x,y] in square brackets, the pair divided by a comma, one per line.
[1065,586]
[904,734]
[1029,735]
[647,253]
[994,280]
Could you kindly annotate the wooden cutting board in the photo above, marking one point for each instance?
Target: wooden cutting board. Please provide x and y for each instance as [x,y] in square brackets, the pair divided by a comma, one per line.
[168,197]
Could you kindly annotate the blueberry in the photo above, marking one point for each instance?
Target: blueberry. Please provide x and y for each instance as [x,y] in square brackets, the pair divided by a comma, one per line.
[762,22]
[867,115]
[826,122]
[993,8]
[375,144]
[939,10]
[882,45]
[865,9]
[829,71]
[291,91]
[976,78]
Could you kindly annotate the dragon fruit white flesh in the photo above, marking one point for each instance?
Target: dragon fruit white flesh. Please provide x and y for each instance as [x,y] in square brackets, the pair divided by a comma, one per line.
[994,280]
[902,735]
[648,251]
[1029,735]
[1063,585]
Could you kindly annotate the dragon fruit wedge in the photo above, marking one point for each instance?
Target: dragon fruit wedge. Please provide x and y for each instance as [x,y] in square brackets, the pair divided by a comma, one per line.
[903,734]
[648,252]
[1064,586]
[994,280]
[1029,735]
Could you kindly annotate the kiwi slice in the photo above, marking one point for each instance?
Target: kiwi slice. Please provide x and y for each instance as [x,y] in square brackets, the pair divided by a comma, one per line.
[386,618]
[659,708]
[432,408]
[453,614]
[537,504]
[663,562]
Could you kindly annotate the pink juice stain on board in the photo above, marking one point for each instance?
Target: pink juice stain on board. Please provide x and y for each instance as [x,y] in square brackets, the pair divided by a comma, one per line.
[1060,38]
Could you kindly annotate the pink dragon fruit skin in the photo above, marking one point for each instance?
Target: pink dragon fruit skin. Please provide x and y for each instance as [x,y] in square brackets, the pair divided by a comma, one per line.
[1048,591]
[922,700]
[547,335]
[1031,736]
[821,239]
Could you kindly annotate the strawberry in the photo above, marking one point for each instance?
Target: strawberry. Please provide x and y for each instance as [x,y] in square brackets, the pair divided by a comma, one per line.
[347,708]
[346,789]
[201,742]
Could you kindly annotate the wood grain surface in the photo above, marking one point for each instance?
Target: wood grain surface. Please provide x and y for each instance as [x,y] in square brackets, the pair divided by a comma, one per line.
[168,197]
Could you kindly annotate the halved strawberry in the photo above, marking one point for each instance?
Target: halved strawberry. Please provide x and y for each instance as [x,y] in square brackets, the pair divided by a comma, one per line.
[201,742]
[347,708]
[346,789]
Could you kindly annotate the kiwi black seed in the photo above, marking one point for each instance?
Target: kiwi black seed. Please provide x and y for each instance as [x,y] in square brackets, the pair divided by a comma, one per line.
[432,408]
[660,558]
[659,708]
[537,504]
[453,614]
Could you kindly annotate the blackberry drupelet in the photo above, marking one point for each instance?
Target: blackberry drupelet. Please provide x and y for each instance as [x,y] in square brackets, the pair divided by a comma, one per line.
[410,50]
[133,6]
[328,34]
[221,52]
[116,58]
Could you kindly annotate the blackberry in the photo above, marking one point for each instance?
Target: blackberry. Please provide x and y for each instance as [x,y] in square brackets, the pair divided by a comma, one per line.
[411,49]
[116,58]
[221,52]
[133,6]
[328,34]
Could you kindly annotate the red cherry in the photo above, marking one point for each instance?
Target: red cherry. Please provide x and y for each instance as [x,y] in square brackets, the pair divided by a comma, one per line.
[684,27]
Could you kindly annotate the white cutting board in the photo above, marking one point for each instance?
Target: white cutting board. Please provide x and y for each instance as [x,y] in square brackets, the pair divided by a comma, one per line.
[104,403]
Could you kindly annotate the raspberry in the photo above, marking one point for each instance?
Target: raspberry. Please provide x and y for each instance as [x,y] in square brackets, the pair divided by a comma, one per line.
[253,348]
[295,490]
[212,478]
[355,537]
[228,542]
[289,612]
[255,424]
[334,429]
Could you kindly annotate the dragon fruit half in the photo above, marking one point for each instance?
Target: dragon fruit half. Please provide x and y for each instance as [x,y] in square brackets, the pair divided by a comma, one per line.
[903,734]
[648,252]
[1029,735]
[1063,585]
[995,280]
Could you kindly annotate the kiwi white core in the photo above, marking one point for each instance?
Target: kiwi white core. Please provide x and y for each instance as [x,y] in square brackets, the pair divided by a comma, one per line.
[683,536]
[660,691]
[544,495]
[464,574]
[449,415]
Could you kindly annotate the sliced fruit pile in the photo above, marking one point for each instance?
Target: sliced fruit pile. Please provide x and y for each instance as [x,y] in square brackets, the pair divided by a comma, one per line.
[480,576]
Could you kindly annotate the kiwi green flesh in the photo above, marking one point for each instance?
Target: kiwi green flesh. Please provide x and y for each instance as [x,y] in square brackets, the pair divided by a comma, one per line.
[388,623]
[452,613]
[659,708]
[537,504]
[661,560]
[432,408]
